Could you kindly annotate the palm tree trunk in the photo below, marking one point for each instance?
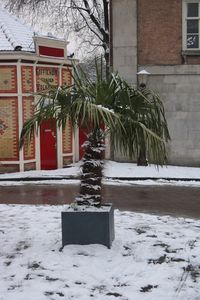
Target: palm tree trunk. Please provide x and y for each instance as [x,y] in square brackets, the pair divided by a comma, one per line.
[91,177]
[142,160]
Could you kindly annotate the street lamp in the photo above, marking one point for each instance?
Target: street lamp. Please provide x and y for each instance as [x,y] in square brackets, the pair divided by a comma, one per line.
[143,77]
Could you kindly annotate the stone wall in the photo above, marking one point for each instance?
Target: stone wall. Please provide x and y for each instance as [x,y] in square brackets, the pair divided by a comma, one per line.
[179,89]
[148,34]
[125,39]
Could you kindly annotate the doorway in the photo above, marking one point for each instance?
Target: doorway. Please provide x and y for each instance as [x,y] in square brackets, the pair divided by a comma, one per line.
[48,143]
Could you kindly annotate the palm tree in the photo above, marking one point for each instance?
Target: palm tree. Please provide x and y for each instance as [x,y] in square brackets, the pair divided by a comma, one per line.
[103,106]
[143,118]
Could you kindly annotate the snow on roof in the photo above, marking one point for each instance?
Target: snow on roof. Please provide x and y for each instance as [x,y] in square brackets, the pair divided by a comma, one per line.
[14,33]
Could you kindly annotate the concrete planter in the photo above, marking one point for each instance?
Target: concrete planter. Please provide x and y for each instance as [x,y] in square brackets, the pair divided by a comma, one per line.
[88,227]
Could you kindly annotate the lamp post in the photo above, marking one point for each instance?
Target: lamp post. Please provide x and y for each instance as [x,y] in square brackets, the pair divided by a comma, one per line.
[143,77]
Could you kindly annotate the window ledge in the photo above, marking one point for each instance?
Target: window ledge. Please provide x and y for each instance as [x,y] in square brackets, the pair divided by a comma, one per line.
[186,53]
[191,52]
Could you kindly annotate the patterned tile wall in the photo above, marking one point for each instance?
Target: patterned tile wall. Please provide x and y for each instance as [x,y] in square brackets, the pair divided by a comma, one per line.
[9,135]
[8,79]
[28,110]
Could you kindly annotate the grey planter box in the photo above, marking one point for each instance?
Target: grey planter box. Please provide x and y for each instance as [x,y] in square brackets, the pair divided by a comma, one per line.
[88,227]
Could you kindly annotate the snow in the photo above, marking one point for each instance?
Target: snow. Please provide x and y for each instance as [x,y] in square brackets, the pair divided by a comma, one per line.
[152,258]
[74,170]
[14,33]
[89,208]
[115,173]
[115,169]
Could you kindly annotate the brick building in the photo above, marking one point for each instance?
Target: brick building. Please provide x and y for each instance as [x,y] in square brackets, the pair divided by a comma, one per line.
[162,36]
[26,60]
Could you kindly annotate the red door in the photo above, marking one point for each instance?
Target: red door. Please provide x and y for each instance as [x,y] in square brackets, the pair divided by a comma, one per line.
[48,152]
[83,132]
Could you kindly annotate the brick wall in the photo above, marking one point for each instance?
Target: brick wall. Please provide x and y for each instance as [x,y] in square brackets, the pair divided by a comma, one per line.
[159,32]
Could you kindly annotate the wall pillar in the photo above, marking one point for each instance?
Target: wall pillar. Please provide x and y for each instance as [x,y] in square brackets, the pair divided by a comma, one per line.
[125,39]
[20,114]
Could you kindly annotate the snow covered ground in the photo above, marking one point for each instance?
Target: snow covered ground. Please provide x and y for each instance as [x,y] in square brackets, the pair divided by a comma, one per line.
[152,258]
[139,175]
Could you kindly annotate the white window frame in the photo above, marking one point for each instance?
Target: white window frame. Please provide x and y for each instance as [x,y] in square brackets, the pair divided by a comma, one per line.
[184,24]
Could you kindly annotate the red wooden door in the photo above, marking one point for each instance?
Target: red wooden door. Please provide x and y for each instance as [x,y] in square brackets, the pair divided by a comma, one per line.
[83,132]
[48,152]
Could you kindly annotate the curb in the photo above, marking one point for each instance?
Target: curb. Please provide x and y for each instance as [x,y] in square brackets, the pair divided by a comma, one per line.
[153,178]
[28,179]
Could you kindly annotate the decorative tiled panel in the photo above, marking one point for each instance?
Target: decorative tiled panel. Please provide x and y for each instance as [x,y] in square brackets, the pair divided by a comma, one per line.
[9,137]
[67,139]
[27,79]
[8,79]
[28,110]
[67,160]
[30,166]
[46,76]
[66,76]
[4,168]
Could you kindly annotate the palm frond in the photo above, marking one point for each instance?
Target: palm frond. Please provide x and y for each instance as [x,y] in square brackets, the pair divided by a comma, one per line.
[135,119]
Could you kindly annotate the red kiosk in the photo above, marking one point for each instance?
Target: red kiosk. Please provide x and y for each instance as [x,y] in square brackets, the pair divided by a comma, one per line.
[26,61]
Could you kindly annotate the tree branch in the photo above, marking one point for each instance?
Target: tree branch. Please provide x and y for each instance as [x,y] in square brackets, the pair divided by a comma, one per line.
[91,29]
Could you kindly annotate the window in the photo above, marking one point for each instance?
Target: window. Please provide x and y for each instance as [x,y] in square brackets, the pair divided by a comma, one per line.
[191,25]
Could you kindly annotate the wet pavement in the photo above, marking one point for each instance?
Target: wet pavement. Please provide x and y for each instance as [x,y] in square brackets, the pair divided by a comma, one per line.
[170,200]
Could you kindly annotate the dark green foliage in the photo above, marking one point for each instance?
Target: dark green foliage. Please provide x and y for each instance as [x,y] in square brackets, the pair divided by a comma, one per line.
[134,119]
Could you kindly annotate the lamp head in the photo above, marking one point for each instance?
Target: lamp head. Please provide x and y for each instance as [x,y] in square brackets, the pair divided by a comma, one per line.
[143,78]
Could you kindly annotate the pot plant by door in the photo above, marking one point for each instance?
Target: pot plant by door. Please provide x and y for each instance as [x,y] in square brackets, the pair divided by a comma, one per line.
[127,114]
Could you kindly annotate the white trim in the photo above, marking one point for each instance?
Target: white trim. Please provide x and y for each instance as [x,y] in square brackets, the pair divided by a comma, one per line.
[67,154]
[29,161]
[184,24]
[20,114]
[76,145]
[8,95]
[9,162]
[59,147]
[33,57]
[37,136]
[73,149]
[13,162]
[54,57]
[107,147]
[75,134]
[9,63]
[50,41]
[59,141]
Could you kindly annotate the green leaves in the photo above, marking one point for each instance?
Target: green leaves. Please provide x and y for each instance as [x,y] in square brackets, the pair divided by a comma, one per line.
[134,118]
[142,116]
